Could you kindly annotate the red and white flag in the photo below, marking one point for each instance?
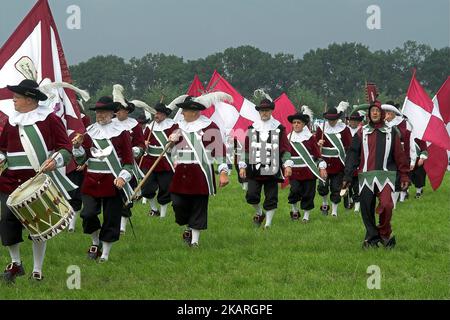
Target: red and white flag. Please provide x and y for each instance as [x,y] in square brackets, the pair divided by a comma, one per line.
[284,108]
[437,161]
[233,118]
[426,120]
[196,88]
[37,38]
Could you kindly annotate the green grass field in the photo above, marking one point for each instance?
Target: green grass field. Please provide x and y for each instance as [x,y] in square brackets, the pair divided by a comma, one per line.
[319,260]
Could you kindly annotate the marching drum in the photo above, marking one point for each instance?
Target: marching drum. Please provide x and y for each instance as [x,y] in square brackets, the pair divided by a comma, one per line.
[40,207]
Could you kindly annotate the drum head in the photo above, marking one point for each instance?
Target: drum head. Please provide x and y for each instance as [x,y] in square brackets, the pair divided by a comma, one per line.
[27,189]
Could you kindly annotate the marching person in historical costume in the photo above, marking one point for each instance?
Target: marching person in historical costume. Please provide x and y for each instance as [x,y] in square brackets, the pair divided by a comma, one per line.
[394,117]
[334,142]
[417,173]
[156,136]
[355,121]
[197,143]
[76,173]
[377,154]
[137,142]
[106,148]
[307,164]
[33,133]
[267,150]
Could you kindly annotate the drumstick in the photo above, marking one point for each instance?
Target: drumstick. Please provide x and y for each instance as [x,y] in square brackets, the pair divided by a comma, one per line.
[41,169]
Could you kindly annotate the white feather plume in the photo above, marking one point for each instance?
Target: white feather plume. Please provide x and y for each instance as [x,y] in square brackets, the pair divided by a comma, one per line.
[49,87]
[143,105]
[343,105]
[80,103]
[212,98]
[118,94]
[261,94]
[307,110]
[177,100]
[26,67]
[148,115]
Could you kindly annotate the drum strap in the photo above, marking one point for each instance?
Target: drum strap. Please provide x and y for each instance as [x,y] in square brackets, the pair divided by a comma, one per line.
[38,149]
[113,163]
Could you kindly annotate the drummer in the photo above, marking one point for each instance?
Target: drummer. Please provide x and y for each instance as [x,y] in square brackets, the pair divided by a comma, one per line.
[33,132]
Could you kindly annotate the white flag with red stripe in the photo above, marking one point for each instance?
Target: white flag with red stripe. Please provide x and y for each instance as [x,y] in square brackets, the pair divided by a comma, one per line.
[37,38]
[425,118]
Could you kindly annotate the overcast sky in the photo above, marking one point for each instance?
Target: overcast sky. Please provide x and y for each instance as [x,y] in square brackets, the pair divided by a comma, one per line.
[196,28]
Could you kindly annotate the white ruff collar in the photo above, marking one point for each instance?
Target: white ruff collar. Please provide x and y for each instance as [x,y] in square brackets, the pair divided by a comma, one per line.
[128,123]
[107,131]
[196,125]
[29,118]
[353,131]
[268,125]
[394,122]
[304,135]
[338,127]
[163,125]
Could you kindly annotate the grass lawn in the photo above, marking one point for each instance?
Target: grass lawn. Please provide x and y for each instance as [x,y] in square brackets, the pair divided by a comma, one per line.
[319,260]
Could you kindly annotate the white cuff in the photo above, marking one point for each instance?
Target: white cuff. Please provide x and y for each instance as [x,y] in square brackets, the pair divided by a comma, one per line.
[423,156]
[59,160]
[78,152]
[2,157]
[288,163]
[125,175]
[223,167]
[322,165]
[136,151]
[242,165]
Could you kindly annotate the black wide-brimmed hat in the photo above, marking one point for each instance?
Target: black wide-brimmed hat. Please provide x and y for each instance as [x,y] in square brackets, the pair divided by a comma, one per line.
[299,116]
[28,88]
[356,116]
[106,103]
[161,107]
[130,106]
[332,114]
[265,104]
[190,104]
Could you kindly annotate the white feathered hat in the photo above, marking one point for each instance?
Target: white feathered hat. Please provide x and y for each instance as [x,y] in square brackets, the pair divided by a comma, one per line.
[202,102]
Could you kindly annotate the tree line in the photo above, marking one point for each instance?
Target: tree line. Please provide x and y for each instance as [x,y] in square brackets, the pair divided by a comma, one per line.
[321,77]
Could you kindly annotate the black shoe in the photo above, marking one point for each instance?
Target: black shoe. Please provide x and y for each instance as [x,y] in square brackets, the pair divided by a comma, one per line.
[94,252]
[12,271]
[154,213]
[37,276]
[187,236]
[294,216]
[407,195]
[324,209]
[390,243]
[258,219]
[367,244]
[418,195]
[193,245]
